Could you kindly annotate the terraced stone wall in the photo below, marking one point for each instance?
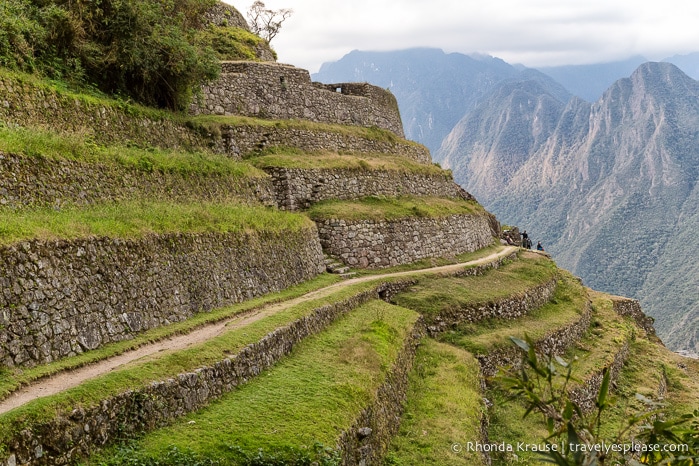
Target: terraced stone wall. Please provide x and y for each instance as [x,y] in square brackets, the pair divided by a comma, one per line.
[298,188]
[277,91]
[60,298]
[382,243]
[240,140]
[69,435]
[555,342]
[511,307]
[368,440]
[26,103]
[31,104]
[586,394]
[38,181]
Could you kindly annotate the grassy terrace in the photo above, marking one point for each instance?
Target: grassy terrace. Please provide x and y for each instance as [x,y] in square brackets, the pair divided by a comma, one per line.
[165,365]
[214,124]
[297,410]
[89,96]
[294,158]
[73,147]
[137,219]
[564,308]
[435,295]
[384,208]
[607,335]
[444,408]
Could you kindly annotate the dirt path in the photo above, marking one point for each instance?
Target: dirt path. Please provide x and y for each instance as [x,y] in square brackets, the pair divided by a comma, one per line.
[69,379]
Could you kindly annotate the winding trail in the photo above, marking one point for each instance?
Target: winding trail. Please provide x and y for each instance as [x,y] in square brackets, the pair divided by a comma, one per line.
[68,379]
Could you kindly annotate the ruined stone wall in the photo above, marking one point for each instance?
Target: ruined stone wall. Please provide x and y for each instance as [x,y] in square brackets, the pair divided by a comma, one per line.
[239,140]
[39,181]
[628,307]
[273,90]
[298,188]
[385,243]
[60,298]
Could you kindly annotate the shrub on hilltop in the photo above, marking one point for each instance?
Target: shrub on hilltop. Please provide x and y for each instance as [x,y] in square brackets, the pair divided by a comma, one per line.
[155,52]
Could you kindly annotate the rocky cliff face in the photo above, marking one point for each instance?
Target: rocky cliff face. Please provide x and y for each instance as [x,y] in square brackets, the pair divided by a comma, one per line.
[610,187]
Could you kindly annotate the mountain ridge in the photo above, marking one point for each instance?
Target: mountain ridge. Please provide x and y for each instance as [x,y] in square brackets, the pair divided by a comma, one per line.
[626,163]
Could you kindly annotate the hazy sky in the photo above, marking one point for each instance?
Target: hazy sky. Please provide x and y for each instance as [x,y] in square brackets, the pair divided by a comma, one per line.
[531,32]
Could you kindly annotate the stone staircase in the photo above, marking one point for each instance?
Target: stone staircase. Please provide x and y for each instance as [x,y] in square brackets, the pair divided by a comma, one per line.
[334,266]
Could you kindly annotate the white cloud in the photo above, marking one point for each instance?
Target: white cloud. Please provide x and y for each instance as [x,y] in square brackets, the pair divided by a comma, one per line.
[532,32]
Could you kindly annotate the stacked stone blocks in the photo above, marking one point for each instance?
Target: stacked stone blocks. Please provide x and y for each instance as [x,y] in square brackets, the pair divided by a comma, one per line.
[278,91]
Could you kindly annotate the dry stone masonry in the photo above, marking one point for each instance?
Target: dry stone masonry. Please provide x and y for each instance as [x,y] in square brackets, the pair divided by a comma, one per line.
[511,307]
[39,181]
[384,243]
[25,103]
[61,298]
[628,307]
[555,342]
[241,139]
[277,91]
[298,188]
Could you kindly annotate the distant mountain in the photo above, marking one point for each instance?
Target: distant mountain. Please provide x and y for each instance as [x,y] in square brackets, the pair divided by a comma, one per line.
[610,187]
[688,63]
[590,81]
[434,89]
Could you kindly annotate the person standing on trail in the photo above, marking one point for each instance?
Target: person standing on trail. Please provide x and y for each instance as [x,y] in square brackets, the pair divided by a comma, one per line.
[525,240]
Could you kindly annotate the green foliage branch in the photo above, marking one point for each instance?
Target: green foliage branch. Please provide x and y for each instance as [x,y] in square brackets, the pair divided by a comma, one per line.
[543,382]
[150,51]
